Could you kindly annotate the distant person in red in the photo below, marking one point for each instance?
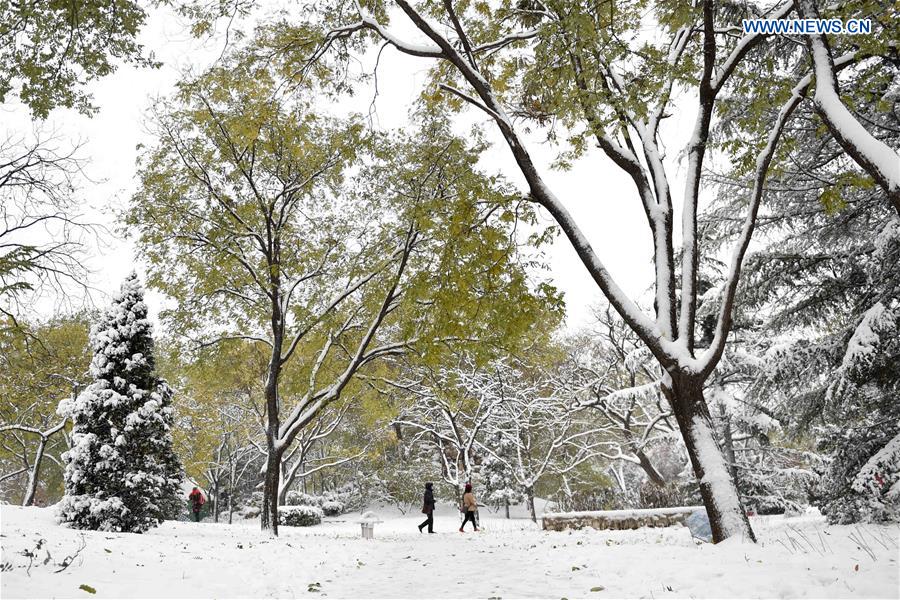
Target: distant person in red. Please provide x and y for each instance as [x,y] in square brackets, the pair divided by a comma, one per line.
[197,502]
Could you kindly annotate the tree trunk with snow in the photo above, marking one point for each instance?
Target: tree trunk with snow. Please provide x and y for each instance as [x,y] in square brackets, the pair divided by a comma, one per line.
[33,475]
[269,512]
[720,496]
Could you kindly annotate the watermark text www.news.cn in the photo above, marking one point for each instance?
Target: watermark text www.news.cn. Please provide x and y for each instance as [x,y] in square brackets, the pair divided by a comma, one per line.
[808,26]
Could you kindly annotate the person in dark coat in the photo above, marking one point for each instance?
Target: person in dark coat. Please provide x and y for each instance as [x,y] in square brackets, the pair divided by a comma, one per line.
[197,502]
[428,508]
[469,507]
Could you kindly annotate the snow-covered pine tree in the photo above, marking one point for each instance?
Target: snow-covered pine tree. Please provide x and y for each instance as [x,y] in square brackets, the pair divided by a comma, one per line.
[121,472]
[823,299]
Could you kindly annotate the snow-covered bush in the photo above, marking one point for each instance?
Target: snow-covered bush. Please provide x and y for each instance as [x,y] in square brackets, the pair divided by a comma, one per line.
[332,508]
[299,516]
[331,503]
[121,473]
[295,498]
[247,512]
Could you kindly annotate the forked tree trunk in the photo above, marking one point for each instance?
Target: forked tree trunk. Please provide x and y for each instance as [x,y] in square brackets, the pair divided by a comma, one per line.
[720,496]
[30,490]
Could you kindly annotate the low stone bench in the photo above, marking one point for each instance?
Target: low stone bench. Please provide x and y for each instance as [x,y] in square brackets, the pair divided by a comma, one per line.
[618,519]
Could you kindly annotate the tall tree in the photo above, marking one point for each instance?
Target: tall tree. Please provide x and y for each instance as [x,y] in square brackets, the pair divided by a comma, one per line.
[121,472]
[586,66]
[248,220]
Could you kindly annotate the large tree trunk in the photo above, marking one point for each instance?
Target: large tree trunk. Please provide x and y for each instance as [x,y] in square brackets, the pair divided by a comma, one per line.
[269,513]
[720,497]
[31,488]
[274,452]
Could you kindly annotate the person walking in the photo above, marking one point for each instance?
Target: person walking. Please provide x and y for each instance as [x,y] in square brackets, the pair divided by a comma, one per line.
[197,502]
[428,508]
[469,507]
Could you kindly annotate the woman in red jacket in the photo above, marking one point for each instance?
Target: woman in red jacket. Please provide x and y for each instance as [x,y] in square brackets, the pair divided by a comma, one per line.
[197,502]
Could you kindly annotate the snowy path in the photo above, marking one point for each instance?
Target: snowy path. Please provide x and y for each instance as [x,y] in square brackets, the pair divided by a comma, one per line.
[508,559]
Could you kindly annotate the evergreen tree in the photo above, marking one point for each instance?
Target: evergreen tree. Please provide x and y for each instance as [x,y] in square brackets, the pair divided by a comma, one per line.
[821,303]
[121,473]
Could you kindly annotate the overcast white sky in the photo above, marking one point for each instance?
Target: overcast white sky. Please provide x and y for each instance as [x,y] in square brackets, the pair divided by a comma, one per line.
[595,191]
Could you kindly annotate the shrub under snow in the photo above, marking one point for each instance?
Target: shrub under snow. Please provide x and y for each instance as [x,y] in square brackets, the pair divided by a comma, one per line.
[299,516]
[332,508]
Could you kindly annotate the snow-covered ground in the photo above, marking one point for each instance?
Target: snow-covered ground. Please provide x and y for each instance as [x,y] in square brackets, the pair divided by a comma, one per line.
[509,558]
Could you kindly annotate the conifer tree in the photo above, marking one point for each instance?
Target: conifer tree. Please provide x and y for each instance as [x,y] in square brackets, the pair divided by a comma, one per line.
[121,473]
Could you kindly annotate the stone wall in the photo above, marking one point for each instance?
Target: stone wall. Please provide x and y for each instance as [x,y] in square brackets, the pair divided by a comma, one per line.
[614,519]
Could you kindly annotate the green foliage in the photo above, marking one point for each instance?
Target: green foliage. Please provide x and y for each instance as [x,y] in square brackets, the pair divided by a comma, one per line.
[53,48]
[218,406]
[236,147]
[40,365]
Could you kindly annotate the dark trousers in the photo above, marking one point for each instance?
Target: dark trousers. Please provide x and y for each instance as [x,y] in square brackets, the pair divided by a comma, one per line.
[197,514]
[470,516]
[429,521]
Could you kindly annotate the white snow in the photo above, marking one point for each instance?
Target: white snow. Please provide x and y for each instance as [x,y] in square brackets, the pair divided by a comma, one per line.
[797,558]
[628,514]
[716,474]
[883,464]
[865,338]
